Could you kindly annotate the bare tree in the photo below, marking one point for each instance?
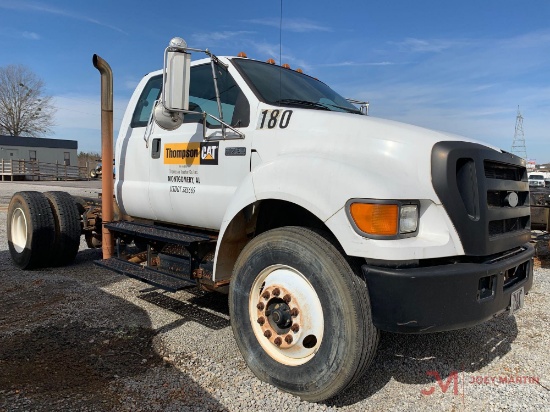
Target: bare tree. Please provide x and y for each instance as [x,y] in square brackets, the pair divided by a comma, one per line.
[25,110]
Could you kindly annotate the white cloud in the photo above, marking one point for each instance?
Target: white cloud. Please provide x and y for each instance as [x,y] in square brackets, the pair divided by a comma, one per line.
[43,8]
[421,46]
[528,40]
[272,51]
[30,35]
[294,25]
[207,38]
[356,64]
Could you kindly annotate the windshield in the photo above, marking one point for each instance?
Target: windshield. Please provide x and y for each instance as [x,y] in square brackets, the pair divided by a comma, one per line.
[536,177]
[279,86]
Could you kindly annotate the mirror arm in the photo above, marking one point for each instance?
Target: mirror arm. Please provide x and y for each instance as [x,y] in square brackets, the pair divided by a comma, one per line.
[218,100]
[224,125]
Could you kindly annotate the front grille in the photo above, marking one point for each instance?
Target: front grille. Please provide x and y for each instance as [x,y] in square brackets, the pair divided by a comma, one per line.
[486,195]
[497,198]
[500,227]
[466,182]
[496,170]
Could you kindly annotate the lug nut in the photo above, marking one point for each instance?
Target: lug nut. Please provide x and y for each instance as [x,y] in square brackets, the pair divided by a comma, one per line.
[276,292]
[288,339]
[265,295]
[287,298]
[261,320]
[267,334]
[260,306]
[278,341]
[295,328]
[294,312]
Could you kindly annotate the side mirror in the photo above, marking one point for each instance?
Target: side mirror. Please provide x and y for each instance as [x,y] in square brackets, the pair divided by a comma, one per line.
[175,86]
[176,79]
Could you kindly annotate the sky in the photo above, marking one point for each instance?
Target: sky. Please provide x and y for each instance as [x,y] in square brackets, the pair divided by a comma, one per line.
[462,67]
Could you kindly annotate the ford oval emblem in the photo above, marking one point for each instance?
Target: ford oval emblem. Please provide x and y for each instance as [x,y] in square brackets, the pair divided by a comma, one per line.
[512,199]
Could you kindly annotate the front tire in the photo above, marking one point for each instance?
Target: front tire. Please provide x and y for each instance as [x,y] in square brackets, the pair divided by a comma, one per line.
[300,314]
[31,229]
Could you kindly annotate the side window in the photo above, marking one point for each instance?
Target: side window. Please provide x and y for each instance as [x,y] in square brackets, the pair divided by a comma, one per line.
[202,97]
[32,155]
[146,101]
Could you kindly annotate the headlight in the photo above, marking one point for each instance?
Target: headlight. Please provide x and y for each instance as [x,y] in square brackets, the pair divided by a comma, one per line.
[408,219]
[384,219]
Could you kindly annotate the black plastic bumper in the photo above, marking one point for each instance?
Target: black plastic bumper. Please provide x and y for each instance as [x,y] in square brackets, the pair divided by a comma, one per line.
[445,297]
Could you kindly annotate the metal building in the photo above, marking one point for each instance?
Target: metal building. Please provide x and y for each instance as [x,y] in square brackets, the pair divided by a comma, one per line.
[63,152]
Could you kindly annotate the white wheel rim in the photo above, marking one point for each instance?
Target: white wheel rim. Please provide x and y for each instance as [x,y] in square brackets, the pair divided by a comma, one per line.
[19,230]
[290,345]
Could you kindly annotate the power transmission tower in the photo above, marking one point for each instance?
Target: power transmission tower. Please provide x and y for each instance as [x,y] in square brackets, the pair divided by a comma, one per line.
[518,145]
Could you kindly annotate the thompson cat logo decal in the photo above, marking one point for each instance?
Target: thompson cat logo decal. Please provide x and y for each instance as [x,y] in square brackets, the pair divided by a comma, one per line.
[204,153]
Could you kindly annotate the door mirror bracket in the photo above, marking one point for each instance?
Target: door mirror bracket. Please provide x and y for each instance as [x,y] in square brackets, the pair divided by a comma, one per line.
[170,109]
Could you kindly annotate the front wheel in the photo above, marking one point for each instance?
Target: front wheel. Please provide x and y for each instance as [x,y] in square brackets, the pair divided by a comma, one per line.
[300,314]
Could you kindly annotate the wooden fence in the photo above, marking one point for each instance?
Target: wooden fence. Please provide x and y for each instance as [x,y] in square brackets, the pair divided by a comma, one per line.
[33,170]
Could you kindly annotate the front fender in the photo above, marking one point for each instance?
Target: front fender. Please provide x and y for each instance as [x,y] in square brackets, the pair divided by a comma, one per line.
[323,186]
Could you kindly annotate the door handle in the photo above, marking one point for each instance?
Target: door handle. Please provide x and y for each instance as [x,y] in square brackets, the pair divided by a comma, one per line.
[155,148]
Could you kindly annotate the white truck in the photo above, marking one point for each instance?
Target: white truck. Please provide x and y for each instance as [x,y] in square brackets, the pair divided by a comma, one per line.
[260,181]
[538,179]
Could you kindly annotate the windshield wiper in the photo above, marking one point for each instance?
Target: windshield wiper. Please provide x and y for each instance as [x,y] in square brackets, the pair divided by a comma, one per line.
[303,103]
[347,109]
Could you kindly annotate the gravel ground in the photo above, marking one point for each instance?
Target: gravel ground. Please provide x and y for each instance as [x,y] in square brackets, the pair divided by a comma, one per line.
[83,338]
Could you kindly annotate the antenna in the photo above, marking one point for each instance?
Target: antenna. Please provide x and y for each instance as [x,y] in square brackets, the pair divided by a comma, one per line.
[518,145]
[281,53]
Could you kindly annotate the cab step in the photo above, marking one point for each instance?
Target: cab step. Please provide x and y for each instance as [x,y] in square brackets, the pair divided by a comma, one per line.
[159,233]
[151,276]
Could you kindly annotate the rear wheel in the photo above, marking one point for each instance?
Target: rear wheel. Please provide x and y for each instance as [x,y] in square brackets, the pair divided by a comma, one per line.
[300,315]
[31,229]
[67,227]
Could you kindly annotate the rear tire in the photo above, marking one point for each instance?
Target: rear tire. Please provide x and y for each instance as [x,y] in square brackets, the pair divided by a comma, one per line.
[31,229]
[67,227]
[334,341]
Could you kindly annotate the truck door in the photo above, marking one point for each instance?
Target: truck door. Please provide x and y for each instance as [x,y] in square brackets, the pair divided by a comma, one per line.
[192,180]
[132,177]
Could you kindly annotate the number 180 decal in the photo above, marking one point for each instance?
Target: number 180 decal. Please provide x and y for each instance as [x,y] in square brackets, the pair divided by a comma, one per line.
[271,119]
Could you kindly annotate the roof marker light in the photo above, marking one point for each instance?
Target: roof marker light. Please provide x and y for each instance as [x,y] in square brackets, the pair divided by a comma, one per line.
[299,70]
[242,54]
[286,66]
[270,61]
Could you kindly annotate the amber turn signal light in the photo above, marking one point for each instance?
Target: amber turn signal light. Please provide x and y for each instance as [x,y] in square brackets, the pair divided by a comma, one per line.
[376,219]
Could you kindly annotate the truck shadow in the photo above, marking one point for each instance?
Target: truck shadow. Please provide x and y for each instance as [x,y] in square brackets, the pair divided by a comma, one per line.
[409,358]
[192,310]
[67,344]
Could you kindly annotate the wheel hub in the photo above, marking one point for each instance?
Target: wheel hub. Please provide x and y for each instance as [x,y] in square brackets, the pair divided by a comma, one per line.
[279,313]
[286,315]
[19,230]
[275,317]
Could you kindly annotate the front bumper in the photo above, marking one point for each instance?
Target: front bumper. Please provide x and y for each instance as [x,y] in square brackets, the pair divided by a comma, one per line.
[446,297]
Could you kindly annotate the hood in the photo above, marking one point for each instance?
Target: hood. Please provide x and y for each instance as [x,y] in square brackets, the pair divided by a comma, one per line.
[394,155]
